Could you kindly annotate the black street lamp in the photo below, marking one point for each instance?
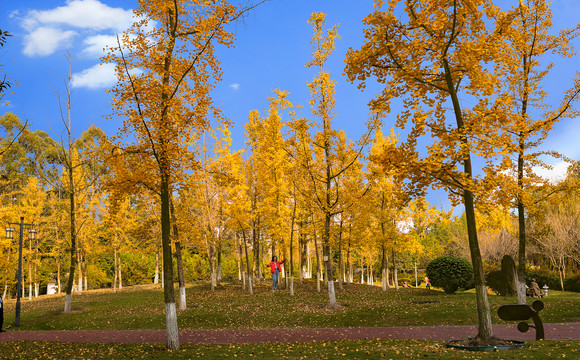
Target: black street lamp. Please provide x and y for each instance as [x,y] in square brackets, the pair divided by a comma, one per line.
[10,235]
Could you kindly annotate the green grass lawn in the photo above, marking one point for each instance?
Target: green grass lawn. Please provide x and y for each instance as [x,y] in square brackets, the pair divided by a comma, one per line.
[141,307]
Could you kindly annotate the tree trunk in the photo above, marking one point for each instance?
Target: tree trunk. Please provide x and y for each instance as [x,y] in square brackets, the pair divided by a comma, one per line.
[116,270]
[219,264]
[248,263]
[292,245]
[302,273]
[80,281]
[29,270]
[395,272]
[182,295]
[156,279]
[177,241]
[416,281]
[318,272]
[348,264]
[120,268]
[485,331]
[58,275]
[36,285]
[362,269]
[239,262]
[73,246]
[171,329]
[384,270]
[340,276]
[328,260]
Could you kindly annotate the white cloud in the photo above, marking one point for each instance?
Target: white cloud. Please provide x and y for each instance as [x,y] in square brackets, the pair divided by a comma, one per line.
[51,30]
[235,86]
[85,14]
[556,174]
[96,77]
[94,45]
[45,41]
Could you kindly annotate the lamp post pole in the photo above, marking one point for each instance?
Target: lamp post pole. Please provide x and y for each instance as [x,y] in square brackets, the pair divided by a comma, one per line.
[19,283]
[9,232]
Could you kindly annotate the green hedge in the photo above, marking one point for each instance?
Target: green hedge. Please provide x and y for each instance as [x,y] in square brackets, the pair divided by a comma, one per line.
[450,273]
[494,280]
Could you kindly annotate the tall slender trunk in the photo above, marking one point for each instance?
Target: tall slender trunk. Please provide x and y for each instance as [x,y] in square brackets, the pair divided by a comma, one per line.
[241,262]
[284,273]
[416,280]
[308,261]
[362,269]
[58,275]
[156,278]
[395,272]
[120,269]
[73,244]
[177,241]
[30,270]
[80,280]
[301,255]
[340,276]
[348,264]
[115,270]
[484,330]
[212,266]
[521,286]
[384,270]
[248,263]
[182,295]
[171,329]
[318,272]
[219,263]
[292,244]
[371,270]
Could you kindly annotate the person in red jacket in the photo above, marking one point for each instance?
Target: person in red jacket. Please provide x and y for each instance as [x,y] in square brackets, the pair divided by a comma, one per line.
[275,269]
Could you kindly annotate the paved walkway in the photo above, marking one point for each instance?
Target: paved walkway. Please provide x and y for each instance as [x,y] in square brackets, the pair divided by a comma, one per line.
[569,331]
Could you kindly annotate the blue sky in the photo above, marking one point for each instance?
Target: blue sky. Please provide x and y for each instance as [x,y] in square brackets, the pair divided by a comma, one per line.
[273,44]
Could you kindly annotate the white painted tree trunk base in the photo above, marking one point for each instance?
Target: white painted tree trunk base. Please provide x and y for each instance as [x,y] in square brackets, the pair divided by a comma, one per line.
[331,295]
[521,292]
[182,298]
[67,303]
[484,328]
[171,330]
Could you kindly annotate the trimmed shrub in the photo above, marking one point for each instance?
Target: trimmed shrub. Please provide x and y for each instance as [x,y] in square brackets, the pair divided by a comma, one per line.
[450,273]
[572,283]
[494,279]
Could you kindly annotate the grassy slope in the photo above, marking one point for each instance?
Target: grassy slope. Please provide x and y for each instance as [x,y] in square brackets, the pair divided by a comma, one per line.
[141,307]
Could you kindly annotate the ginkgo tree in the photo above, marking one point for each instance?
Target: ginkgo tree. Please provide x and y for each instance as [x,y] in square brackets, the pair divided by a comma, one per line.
[330,160]
[166,68]
[527,58]
[429,55]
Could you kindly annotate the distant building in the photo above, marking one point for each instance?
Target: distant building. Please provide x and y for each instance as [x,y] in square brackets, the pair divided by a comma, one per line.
[51,288]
